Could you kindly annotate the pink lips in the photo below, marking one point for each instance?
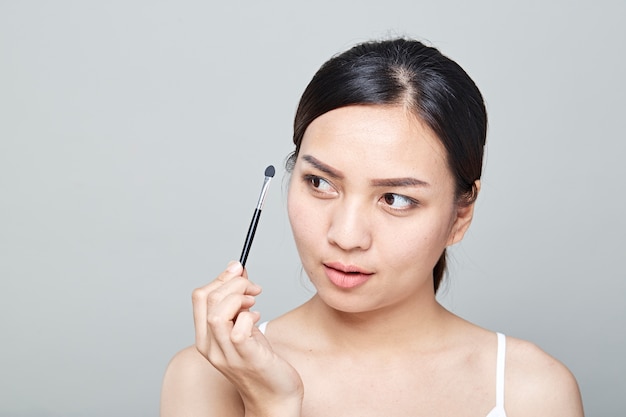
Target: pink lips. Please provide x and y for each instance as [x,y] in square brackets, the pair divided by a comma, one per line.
[346,276]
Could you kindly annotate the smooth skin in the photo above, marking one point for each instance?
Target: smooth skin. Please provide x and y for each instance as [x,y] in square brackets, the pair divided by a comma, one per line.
[372,206]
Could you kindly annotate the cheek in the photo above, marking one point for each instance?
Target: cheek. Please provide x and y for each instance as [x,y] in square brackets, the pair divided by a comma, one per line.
[420,243]
[300,217]
[294,212]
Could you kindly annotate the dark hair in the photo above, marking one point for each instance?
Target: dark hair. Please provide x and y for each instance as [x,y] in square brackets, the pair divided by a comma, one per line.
[409,73]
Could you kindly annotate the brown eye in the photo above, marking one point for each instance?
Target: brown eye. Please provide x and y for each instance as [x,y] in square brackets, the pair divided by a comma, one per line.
[398,201]
[318,184]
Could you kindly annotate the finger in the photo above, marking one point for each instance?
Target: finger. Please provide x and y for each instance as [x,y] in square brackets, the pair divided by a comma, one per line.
[207,303]
[221,317]
[237,285]
[214,319]
[200,295]
[233,270]
[199,302]
[199,320]
[242,331]
[220,322]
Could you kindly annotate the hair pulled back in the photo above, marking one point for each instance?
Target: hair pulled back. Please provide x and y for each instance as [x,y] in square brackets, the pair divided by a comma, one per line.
[408,73]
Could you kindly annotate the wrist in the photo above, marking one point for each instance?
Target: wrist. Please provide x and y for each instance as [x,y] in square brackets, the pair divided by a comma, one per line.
[291,407]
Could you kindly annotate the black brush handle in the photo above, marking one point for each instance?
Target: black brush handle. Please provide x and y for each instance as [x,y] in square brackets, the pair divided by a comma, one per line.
[250,237]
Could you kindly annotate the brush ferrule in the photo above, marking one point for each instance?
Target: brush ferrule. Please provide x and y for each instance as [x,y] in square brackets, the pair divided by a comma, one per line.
[266,184]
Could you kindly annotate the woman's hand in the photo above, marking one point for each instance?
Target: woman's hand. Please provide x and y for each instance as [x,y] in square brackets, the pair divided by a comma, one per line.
[226,334]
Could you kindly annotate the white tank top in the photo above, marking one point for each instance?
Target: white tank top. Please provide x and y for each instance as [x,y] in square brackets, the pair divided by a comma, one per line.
[498,410]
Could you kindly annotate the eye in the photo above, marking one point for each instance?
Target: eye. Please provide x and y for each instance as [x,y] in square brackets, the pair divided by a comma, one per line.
[319,184]
[398,202]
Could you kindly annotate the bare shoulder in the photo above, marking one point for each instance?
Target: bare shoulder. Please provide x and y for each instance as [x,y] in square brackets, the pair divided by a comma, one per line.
[538,384]
[193,387]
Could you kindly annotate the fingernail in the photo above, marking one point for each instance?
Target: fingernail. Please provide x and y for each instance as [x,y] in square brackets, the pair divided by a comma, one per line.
[233,266]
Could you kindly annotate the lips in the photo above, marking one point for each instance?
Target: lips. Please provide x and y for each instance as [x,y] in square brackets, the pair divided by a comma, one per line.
[346,276]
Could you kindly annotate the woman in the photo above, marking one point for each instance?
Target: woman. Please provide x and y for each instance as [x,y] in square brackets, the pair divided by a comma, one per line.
[389,141]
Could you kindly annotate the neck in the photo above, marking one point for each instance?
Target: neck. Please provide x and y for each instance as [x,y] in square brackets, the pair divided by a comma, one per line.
[420,325]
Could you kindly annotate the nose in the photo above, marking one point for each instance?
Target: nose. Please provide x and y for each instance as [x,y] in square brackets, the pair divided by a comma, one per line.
[350,227]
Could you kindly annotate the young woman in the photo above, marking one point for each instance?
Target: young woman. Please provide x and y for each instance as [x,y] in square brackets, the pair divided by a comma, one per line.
[389,141]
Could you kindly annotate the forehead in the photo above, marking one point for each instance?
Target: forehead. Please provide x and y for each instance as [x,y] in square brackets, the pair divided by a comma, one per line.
[385,141]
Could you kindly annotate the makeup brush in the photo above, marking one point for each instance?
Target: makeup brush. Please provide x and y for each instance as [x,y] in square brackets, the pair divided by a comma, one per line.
[269,174]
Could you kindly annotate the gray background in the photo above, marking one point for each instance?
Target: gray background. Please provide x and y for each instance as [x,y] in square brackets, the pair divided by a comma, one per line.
[133,140]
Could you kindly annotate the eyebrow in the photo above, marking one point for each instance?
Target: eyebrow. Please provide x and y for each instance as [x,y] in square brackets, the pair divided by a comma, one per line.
[383,182]
[328,170]
[399,182]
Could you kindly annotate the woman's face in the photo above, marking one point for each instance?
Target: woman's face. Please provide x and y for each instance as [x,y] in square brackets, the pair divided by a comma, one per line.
[372,207]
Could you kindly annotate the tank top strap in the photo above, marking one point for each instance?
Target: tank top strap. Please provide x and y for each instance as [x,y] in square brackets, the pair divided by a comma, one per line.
[263,326]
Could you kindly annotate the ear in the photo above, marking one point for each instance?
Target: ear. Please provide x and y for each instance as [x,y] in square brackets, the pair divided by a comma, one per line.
[464,215]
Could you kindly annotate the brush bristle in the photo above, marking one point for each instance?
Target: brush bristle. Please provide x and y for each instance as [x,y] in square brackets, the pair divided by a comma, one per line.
[270,171]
